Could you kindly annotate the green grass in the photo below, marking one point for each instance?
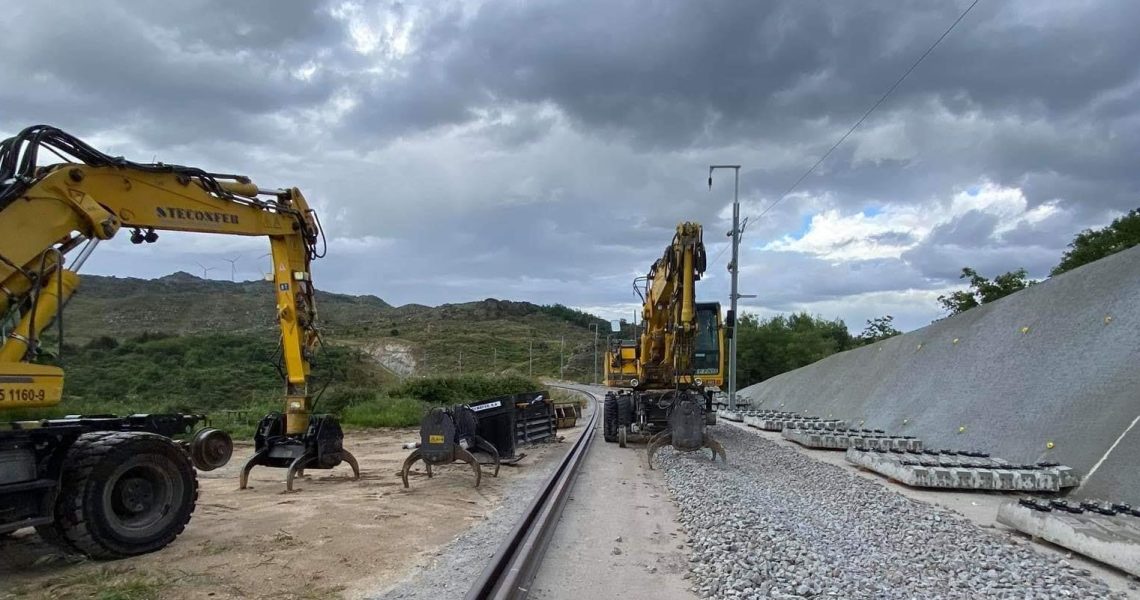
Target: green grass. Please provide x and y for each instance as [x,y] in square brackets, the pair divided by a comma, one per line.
[104,583]
[466,388]
[384,412]
[230,377]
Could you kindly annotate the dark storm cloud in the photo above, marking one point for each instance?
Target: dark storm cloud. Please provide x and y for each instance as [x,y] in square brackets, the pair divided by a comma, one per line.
[167,72]
[545,151]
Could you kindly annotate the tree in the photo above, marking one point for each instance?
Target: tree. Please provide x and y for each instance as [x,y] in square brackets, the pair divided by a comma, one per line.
[768,347]
[1090,244]
[983,291]
[879,329]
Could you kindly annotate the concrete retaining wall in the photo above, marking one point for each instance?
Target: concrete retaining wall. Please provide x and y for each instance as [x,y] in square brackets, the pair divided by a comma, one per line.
[1057,363]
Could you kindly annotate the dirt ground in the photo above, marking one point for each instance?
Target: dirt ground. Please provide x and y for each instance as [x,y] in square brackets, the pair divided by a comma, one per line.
[333,537]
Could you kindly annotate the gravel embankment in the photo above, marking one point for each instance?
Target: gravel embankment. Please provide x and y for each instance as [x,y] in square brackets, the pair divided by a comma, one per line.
[774,523]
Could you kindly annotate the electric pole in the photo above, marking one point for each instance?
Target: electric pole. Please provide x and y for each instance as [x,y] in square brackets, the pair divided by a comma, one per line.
[734,269]
[595,326]
[561,359]
[530,360]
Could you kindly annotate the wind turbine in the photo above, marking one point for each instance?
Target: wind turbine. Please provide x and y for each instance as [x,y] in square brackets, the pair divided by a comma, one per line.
[205,270]
[268,276]
[233,266]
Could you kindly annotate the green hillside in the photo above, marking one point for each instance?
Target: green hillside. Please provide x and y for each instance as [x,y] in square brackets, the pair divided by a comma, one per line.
[186,344]
[487,336]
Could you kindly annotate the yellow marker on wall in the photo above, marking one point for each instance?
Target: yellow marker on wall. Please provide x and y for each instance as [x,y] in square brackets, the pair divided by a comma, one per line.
[955,341]
[1049,444]
[1024,330]
[961,429]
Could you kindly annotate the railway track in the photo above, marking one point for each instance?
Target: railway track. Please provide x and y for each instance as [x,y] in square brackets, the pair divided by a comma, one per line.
[512,568]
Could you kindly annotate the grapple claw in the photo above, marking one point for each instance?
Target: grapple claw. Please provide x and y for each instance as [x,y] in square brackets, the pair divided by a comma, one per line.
[665,438]
[408,462]
[489,448]
[469,458]
[716,447]
[298,464]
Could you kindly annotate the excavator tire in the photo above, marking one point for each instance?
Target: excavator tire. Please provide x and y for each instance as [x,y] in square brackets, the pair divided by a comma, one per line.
[624,410]
[609,418]
[123,494]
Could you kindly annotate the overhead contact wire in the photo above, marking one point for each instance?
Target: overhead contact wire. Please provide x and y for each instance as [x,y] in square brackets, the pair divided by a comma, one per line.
[870,110]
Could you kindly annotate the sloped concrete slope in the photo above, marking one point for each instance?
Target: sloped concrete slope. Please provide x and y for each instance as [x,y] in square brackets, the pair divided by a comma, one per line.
[1055,365]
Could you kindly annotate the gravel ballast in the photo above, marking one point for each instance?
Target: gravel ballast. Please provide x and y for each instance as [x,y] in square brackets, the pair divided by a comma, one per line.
[774,523]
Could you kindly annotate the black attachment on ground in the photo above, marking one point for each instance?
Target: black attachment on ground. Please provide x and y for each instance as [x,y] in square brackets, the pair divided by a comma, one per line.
[446,435]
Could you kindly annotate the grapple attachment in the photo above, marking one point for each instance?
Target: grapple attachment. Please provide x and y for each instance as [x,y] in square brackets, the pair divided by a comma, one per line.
[321,447]
[687,428]
[446,435]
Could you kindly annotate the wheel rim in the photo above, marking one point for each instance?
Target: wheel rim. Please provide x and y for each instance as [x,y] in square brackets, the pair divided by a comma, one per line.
[139,495]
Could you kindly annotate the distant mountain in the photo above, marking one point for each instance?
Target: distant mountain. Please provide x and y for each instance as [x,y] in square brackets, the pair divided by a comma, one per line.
[484,336]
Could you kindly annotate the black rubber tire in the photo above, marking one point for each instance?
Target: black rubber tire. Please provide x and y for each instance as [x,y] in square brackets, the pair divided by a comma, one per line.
[52,535]
[609,418]
[104,471]
[625,410]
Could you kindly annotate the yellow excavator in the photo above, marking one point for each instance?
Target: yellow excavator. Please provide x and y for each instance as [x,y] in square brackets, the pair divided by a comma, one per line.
[620,364]
[678,359]
[119,486]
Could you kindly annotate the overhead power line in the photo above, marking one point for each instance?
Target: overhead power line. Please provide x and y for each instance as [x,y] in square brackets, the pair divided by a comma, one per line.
[874,106]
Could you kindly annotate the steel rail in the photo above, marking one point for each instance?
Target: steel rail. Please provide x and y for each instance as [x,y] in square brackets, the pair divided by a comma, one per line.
[515,563]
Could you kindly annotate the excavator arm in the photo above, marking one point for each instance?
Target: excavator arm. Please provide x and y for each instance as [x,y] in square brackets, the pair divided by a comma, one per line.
[49,213]
[669,310]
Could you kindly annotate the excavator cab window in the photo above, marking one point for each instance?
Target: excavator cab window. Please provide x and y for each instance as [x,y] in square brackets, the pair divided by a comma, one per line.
[706,350]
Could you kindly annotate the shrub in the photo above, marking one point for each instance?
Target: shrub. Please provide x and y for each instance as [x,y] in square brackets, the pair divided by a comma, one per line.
[384,412]
[464,388]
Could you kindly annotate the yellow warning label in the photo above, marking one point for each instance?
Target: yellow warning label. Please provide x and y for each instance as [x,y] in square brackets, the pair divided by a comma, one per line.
[435,439]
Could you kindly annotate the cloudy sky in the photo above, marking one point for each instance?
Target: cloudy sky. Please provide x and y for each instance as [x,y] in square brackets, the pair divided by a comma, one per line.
[544,151]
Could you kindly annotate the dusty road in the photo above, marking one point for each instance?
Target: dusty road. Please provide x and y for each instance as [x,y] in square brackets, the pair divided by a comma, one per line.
[618,535]
[334,537]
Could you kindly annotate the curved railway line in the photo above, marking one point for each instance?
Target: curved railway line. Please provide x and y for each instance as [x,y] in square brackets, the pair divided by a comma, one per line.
[514,564]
